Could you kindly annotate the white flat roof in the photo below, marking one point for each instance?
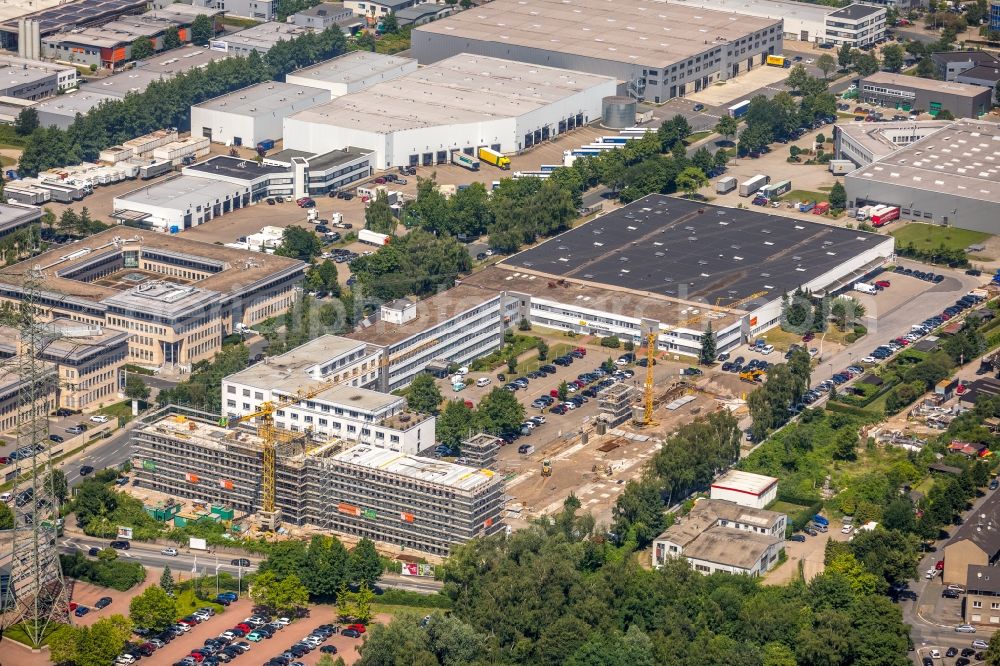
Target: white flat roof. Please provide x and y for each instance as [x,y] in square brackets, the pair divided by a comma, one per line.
[744,482]
[180,193]
[635,32]
[264,99]
[773,9]
[350,67]
[73,103]
[428,470]
[962,159]
[461,89]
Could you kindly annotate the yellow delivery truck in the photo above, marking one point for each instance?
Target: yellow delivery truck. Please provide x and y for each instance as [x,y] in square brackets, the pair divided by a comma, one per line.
[493,157]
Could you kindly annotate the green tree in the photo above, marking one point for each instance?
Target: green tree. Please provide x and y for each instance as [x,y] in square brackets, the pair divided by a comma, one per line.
[142,48]
[57,482]
[325,567]
[378,215]
[826,64]
[727,127]
[926,68]
[845,56]
[202,30]
[96,645]
[423,395]
[992,656]
[892,58]
[153,609]
[846,311]
[135,388]
[363,565]
[690,180]
[703,160]
[283,596]
[846,446]
[26,122]
[500,411]
[562,391]
[838,196]
[797,78]
[299,243]
[866,63]
[455,423]
[6,517]
[167,580]
[171,38]
[543,349]
[389,24]
[706,356]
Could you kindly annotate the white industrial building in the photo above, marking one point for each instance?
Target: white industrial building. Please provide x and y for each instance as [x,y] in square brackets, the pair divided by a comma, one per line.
[458,104]
[802,21]
[248,116]
[863,143]
[951,177]
[180,203]
[352,72]
[745,488]
[857,26]
[259,38]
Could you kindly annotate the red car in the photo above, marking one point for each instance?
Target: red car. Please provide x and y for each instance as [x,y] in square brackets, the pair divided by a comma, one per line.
[360,628]
[808,337]
[188,622]
[883,283]
[197,656]
[244,627]
[581,350]
[940,565]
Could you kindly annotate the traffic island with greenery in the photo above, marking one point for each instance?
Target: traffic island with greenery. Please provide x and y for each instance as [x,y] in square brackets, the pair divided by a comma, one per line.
[107,570]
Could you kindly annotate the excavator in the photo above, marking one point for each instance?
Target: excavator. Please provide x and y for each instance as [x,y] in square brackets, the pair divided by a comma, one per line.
[752,376]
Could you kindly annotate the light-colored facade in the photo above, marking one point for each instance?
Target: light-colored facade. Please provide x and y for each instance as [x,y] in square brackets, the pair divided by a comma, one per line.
[801,21]
[259,38]
[176,298]
[33,79]
[982,596]
[456,326]
[912,93]
[88,360]
[251,115]
[258,10]
[376,9]
[12,411]
[720,536]
[457,105]
[855,25]
[352,72]
[864,143]
[975,543]
[399,500]
[947,177]
[746,489]
[656,50]
[337,370]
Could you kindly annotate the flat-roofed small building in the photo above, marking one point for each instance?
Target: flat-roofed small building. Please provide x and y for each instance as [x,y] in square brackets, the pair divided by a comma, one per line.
[457,105]
[857,26]
[181,202]
[322,16]
[248,116]
[912,93]
[352,72]
[14,217]
[259,38]
[745,488]
[34,79]
[720,536]
[319,174]
[656,50]
[62,110]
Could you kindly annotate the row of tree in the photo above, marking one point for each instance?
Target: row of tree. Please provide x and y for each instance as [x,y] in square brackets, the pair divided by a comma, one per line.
[418,263]
[168,103]
[322,567]
[784,386]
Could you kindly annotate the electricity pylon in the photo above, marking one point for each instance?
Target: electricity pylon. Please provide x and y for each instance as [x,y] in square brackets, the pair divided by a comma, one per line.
[33,592]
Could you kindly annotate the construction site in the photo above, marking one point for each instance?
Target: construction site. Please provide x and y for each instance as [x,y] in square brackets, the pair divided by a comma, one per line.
[276,480]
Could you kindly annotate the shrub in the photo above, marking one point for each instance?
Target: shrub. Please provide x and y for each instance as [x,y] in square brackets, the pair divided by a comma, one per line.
[611,341]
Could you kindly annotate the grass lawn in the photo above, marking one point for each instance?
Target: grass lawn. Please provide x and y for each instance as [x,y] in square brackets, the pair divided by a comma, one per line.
[118,410]
[393,609]
[804,195]
[187,603]
[697,136]
[17,633]
[786,508]
[555,350]
[782,340]
[931,236]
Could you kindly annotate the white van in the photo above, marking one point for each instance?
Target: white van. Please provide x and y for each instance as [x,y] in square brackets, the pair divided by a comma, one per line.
[483,381]
[766,349]
[865,288]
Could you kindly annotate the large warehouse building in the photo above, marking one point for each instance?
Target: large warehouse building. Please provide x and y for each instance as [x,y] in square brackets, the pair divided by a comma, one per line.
[912,93]
[950,177]
[670,266]
[656,50]
[460,104]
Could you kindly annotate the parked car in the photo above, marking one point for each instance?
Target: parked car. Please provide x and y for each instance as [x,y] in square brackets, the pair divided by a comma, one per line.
[120,545]
[103,602]
[965,629]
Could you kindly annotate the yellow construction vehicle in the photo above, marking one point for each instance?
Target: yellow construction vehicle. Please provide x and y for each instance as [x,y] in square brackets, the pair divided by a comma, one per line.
[752,376]
[546,468]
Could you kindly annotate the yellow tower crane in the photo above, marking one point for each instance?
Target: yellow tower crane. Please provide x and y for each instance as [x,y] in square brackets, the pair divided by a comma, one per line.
[651,337]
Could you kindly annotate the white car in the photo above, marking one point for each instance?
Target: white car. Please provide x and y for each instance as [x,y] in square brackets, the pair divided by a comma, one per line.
[462,371]
[965,629]
[183,627]
[228,635]
[125,660]
[569,405]
[931,574]
[847,529]
[809,61]
[171,552]
[282,622]
[935,654]
[483,381]
[99,418]
[869,359]
[766,349]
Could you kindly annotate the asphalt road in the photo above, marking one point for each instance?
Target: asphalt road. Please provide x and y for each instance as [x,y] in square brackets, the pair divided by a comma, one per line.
[151,555]
[110,452]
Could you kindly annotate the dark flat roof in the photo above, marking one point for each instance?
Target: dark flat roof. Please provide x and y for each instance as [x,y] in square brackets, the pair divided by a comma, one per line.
[78,14]
[694,251]
[978,57]
[235,167]
[856,11]
[336,157]
[983,72]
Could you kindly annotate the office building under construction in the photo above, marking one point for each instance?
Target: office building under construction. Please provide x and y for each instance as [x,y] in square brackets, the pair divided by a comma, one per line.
[357,490]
